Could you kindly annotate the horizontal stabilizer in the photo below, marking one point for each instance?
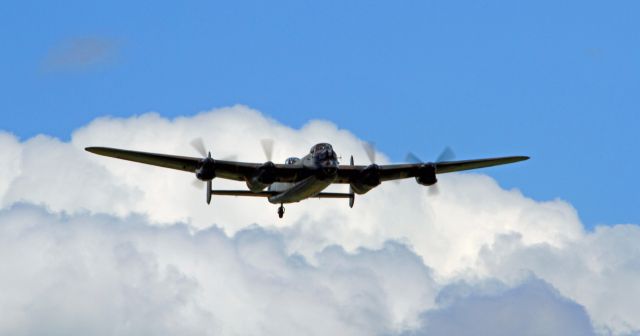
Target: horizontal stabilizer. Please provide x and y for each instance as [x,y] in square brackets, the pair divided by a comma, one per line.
[272,193]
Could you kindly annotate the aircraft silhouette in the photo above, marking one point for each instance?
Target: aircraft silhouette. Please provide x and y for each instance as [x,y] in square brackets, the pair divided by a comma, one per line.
[301,178]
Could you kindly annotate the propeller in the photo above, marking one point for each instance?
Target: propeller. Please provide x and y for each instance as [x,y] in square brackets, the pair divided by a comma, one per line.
[208,164]
[267,148]
[198,145]
[197,183]
[447,154]
[352,196]
[412,158]
[370,150]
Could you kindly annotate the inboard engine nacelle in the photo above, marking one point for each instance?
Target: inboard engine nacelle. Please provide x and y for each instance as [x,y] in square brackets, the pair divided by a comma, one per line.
[427,175]
[263,178]
[366,179]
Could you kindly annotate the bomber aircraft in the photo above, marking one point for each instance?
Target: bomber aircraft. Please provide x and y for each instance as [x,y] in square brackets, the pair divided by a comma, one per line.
[301,178]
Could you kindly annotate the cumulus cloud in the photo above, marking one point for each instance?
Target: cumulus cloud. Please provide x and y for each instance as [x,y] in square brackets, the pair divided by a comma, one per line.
[531,308]
[97,274]
[388,266]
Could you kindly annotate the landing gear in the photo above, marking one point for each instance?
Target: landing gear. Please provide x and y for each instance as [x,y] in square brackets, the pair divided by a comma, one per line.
[281,211]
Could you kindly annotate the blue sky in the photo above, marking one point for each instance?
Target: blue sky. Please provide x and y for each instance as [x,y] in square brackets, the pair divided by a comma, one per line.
[556,81]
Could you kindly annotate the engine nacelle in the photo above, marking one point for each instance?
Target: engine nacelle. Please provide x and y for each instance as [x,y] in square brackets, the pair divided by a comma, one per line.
[263,178]
[366,179]
[427,175]
[206,169]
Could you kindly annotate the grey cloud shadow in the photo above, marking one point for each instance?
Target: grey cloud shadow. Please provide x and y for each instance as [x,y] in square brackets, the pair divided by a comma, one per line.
[81,54]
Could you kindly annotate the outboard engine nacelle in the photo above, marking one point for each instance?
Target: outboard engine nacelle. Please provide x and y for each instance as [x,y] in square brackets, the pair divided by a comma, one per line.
[206,169]
[366,179]
[427,175]
[263,177]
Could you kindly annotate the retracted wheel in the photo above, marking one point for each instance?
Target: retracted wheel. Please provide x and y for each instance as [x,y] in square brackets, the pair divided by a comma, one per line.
[281,211]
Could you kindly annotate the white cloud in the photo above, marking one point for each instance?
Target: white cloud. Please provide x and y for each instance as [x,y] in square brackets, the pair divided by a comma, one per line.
[10,156]
[86,274]
[530,308]
[601,270]
[399,245]
[96,275]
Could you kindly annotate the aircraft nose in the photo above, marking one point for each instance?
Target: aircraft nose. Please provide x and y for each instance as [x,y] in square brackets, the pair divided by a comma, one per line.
[330,171]
[329,167]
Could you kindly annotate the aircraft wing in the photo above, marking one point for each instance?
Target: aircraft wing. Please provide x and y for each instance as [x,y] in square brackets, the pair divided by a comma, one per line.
[454,166]
[231,170]
[184,163]
[241,171]
[400,171]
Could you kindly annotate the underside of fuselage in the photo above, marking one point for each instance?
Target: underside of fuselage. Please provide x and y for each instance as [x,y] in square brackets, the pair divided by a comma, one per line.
[296,192]
[321,162]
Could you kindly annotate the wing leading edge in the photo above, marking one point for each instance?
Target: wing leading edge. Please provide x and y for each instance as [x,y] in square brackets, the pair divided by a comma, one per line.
[183,163]
[231,170]
[240,171]
[454,166]
[401,171]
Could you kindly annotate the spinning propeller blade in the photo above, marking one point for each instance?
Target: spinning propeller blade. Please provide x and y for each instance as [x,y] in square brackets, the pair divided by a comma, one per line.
[412,158]
[447,154]
[370,150]
[197,184]
[198,145]
[267,148]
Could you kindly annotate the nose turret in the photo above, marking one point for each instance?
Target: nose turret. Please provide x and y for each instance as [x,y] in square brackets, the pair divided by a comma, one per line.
[323,152]
[325,159]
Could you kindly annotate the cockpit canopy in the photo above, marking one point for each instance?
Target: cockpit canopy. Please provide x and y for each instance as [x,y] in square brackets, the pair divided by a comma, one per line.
[291,160]
[320,147]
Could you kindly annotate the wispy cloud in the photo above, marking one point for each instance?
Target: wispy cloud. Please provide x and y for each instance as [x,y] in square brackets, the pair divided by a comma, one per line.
[80,54]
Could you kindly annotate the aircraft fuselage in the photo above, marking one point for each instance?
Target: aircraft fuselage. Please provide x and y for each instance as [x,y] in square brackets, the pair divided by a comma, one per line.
[323,161]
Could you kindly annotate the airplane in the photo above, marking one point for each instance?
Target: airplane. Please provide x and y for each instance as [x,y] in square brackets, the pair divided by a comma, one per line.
[301,178]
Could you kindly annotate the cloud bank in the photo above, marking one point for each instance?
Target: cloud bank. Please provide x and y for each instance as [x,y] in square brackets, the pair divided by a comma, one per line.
[102,246]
